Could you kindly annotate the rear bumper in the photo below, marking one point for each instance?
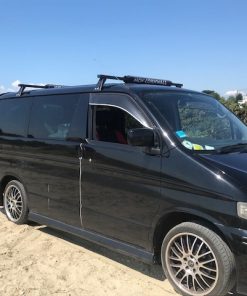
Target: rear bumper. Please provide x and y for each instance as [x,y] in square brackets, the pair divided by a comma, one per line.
[237,240]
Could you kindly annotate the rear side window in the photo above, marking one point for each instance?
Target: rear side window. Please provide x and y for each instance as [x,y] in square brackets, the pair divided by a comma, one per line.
[13,116]
[52,116]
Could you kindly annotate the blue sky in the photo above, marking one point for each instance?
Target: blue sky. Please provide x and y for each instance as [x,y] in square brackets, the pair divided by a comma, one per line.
[200,43]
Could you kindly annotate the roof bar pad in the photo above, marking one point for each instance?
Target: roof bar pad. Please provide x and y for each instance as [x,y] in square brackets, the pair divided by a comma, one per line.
[152,81]
[23,86]
[135,79]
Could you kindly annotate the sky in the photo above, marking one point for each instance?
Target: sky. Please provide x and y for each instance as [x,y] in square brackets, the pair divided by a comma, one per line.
[201,44]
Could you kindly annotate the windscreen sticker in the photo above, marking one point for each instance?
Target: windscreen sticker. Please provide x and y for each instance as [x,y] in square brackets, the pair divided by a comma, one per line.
[181,134]
[209,147]
[193,146]
[187,144]
[197,147]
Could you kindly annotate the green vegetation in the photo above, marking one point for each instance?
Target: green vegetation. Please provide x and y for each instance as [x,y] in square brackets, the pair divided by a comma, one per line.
[200,120]
[231,103]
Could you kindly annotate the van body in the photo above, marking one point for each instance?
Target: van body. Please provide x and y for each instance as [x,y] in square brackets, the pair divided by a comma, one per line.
[156,172]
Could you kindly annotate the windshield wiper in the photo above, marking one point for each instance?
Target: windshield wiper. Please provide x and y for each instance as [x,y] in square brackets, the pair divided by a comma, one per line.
[241,147]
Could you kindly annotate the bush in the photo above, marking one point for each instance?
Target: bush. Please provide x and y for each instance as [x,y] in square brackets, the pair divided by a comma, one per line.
[239,110]
[231,103]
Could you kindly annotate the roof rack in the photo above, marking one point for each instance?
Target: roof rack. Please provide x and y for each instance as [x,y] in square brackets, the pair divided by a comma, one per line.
[23,86]
[135,79]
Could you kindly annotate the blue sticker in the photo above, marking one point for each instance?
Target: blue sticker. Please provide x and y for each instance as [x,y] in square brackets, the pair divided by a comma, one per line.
[181,134]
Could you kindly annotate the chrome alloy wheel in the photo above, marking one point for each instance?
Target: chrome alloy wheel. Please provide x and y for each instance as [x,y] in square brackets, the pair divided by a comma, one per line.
[192,264]
[13,203]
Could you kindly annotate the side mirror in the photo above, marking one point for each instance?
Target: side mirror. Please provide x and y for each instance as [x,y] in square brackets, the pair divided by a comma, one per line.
[141,137]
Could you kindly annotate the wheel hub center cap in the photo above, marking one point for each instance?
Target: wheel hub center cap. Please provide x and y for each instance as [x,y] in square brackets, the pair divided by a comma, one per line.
[191,263]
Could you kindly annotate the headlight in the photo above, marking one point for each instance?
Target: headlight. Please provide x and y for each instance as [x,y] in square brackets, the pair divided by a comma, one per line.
[242,209]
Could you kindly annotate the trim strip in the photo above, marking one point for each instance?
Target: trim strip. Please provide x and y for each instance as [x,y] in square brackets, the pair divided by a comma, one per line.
[80,184]
[116,106]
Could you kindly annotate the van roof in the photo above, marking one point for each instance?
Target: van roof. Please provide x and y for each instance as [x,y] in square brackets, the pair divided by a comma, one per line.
[131,84]
[118,87]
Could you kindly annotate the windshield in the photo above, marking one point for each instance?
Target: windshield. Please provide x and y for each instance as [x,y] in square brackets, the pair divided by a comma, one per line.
[198,121]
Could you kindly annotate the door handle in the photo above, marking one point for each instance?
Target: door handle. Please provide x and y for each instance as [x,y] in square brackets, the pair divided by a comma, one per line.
[82,151]
[85,153]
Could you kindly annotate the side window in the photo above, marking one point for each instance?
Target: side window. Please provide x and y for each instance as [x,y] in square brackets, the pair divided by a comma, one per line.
[13,116]
[51,116]
[111,124]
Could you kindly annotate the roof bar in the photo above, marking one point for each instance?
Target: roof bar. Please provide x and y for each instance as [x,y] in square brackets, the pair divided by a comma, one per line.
[103,78]
[135,79]
[23,86]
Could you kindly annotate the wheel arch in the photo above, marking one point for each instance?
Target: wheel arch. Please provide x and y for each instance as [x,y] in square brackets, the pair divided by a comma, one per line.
[171,219]
[4,181]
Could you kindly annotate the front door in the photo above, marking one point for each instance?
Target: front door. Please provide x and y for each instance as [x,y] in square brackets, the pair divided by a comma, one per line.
[120,183]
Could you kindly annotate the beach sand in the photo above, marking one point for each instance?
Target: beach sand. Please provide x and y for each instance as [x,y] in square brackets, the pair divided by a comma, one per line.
[37,261]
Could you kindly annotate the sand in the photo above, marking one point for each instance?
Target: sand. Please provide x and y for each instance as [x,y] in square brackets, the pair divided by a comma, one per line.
[36,260]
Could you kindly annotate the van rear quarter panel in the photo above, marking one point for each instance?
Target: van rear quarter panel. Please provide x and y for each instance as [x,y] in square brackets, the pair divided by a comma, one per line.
[43,166]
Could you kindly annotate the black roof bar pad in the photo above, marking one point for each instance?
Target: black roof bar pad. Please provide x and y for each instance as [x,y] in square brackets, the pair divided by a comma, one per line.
[135,79]
[152,81]
[23,86]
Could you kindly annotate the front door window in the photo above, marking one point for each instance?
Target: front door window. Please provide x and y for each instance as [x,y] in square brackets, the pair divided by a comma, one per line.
[111,124]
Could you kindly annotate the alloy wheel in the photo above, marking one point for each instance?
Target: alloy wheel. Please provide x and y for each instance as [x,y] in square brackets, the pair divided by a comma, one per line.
[13,203]
[192,264]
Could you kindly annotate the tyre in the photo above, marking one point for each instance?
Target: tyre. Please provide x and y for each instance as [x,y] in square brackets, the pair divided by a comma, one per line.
[196,261]
[15,202]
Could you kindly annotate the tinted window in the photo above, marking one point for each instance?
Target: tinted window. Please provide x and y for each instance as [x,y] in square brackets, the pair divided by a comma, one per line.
[112,124]
[52,116]
[78,129]
[13,116]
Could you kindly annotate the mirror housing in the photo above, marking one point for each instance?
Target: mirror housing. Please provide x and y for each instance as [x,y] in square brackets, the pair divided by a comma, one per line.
[143,137]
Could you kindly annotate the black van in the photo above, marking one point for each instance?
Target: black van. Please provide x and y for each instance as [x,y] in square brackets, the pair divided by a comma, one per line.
[144,167]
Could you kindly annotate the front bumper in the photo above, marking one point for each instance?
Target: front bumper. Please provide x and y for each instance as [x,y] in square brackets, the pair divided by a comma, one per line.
[237,240]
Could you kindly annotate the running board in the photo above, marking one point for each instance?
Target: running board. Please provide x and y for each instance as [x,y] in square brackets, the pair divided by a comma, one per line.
[94,237]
